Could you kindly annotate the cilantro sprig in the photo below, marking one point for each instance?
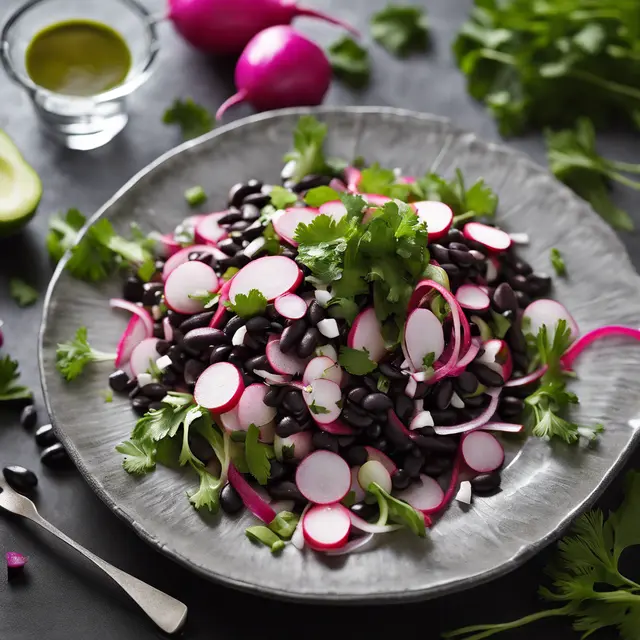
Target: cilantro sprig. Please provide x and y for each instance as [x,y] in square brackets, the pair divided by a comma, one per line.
[356,361]
[73,356]
[9,387]
[24,294]
[586,574]
[248,305]
[350,62]
[401,29]
[192,118]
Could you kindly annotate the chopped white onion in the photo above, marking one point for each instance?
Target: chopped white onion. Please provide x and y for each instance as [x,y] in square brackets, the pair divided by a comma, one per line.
[238,336]
[276,378]
[456,401]
[254,246]
[328,328]
[156,312]
[163,362]
[322,297]
[422,419]
[464,493]
[144,379]
[411,388]
[519,238]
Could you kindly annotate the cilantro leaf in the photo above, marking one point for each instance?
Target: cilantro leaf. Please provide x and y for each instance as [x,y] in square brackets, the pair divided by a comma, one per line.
[193,119]
[23,293]
[158,424]
[73,356]
[399,511]
[557,261]
[208,493]
[140,457]
[401,30]
[356,361]
[375,179]
[63,231]
[147,270]
[307,155]
[319,195]
[9,375]
[195,196]
[317,409]
[246,306]
[282,198]
[350,62]
[195,413]
[428,360]
[258,455]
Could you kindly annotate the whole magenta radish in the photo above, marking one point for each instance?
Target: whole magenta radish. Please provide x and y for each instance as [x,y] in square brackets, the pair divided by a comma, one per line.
[226,26]
[280,68]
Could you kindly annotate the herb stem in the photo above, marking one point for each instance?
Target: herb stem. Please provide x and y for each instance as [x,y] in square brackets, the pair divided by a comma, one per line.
[628,182]
[384,510]
[464,216]
[614,87]
[498,56]
[629,167]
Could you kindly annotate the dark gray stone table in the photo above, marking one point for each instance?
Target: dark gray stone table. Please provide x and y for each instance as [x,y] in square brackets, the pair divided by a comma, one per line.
[62,597]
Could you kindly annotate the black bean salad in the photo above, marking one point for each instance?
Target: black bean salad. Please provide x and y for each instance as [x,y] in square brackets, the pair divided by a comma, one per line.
[341,354]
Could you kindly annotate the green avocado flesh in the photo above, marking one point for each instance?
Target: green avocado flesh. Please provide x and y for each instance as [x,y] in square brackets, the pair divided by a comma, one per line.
[20,188]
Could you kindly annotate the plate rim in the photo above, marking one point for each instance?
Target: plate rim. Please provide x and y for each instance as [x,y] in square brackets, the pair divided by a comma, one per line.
[524,553]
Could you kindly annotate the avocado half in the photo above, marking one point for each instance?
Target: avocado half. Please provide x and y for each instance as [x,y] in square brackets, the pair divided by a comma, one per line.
[20,188]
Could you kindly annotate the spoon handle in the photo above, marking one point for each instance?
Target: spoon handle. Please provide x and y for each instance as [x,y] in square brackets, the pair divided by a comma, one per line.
[167,612]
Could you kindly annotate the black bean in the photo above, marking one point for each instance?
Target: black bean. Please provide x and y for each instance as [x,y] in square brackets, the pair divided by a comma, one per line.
[397,436]
[152,293]
[478,257]
[288,252]
[294,402]
[455,235]
[371,383]
[46,436]
[229,247]
[356,456]
[400,480]
[357,420]
[176,319]
[365,511]
[197,340]
[140,404]
[520,283]
[323,440]
[437,444]
[238,355]
[440,253]
[156,406]
[413,465]
[197,321]
[443,393]
[276,327]
[118,381]
[510,407]
[233,325]
[277,471]
[516,340]
[251,342]
[55,456]
[240,191]
[20,479]
[250,212]
[486,482]
[426,431]
[292,334]
[162,346]
[453,271]
[346,441]
[239,226]
[485,375]
[539,284]
[391,372]
[358,394]
[404,407]
[373,431]
[29,416]
[435,467]
[154,391]
[475,402]
[315,313]
[258,325]
[257,362]
[466,383]
[461,258]
[200,448]
[230,500]
[522,267]
[310,182]
[258,200]
[132,289]
[178,357]
[504,298]
[381,444]
[524,300]
[375,402]
[458,246]
[158,330]
[308,342]
[274,396]
[287,426]
[169,377]
[193,370]
[285,490]
[134,392]
[233,215]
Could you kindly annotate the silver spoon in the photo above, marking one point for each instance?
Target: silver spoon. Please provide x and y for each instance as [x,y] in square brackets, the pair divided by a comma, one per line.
[167,612]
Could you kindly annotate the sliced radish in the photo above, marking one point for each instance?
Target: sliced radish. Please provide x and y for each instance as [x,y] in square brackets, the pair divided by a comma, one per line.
[285,224]
[327,350]
[425,496]
[337,428]
[208,231]
[549,313]
[252,500]
[189,279]
[328,328]
[322,368]
[168,246]
[472,297]
[437,215]
[493,239]
[133,335]
[423,335]
[136,310]
[219,387]
[374,471]
[482,452]
[284,363]
[375,199]
[326,527]
[273,276]
[143,355]
[493,269]
[421,420]
[230,421]
[167,329]
[376,454]
[366,334]
[324,400]
[353,176]
[323,477]
[182,256]
[290,306]
[334,209]
[252,409]
[359,493]
[497,356]
[295,447]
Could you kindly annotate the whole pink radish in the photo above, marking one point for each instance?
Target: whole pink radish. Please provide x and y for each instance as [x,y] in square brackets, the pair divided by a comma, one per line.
[280,68]
[226,26]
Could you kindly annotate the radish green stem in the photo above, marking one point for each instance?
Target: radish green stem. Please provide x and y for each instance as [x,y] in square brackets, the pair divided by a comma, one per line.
[629,167]
[384,510]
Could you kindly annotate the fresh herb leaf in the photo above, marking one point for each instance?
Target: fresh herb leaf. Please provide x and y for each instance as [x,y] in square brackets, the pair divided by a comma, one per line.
[356,361]
[147,270]
[281,198]
[140,457]
[317,409]
[192,417]
[158,424]
[193,119]
[229,273]
[499,325]
[375,179]
[246,306]
[207,298]
[23,293]
[108,395]
[383,384]
[401,29]
[284,524]
[73,356]
[557,261]
[258,455]
[9,375]
[307,155]
[266,537]
[399,511]
[208,494]
[350,62]
[195,196]
[428,360]
[63,231]
[319,195]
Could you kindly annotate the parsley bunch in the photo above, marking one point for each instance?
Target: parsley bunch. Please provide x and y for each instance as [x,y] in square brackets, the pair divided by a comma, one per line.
[586,575]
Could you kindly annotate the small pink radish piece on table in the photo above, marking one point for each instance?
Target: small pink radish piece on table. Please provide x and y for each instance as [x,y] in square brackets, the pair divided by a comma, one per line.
[326,527]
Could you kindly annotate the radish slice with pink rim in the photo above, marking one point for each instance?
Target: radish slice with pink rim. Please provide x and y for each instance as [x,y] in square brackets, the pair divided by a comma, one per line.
[437,215]
[143,355]
[472,297]
[335,209]
[359,493]
[182,256]
[251,499]
[425,496]
[337,428]
[167,329]
[189,279]
[136,310]
[323,477]
[589,338]
[387,462]
[326,527]
[352,176]
[133,335]
[283,363]
[169,245]
[219,387]
[208,231]
[286,223]
[365,333]
[322,367]
[252,409]
[353,546]
[423,335]
[482,452]
[549,313]
[324,401]
[495,240]
[302,443]
[374,471]
[477,422]
[273,276]
[230,421]
[290,306]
